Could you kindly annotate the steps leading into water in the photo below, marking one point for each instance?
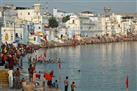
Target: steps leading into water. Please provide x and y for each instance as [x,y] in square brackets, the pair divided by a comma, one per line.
[4,82]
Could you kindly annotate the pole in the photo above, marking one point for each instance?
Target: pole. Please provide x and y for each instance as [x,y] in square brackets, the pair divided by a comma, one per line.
[4,18]
[14,31]
[28,32]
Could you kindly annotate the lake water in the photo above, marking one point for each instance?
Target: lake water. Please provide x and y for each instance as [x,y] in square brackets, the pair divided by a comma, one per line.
[103,67]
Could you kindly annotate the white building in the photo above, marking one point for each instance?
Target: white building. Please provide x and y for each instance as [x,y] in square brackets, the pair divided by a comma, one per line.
[127,22]
[38,28]
[0,13]
[135,26]
[73,26]
[35,39]
[34,17]
[60,14]
[86,14]
[90,26]
[31,15]
[9,35]
[84,25]
[50,34]
[116,25]
[106,25]
[26,14]
[111,25]
[11,31]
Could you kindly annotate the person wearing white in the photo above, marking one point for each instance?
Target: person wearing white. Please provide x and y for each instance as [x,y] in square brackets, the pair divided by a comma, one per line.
[10,72]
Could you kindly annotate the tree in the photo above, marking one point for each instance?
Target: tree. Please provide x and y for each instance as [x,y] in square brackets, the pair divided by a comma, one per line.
[66,18]
[53,23]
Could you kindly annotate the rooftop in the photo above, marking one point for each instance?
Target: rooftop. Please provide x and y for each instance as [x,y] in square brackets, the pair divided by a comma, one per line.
[87,12]
[128,14]
[21,8]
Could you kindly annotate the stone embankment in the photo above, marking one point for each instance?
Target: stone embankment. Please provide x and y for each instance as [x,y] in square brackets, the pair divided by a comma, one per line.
[97,40]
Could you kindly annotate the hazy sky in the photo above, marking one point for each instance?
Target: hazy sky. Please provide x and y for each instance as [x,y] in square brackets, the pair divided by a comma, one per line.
[80,5]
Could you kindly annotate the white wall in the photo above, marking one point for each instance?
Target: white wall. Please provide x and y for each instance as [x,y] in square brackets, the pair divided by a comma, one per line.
[50,35]
[34,39]
[60,14]
[7,35]
[55,12]
[26,14]
[10,33]
[38,28]
[73,24]
[0,14]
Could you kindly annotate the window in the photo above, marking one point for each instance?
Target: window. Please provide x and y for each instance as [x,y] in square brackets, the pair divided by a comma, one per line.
[89,28]
[28,13]
[73,21]
[119,25]
[34,38]
[39,28]
[11,36]
[20,35]
[16,35]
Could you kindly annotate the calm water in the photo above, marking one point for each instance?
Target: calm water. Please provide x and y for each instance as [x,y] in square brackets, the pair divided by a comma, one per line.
[103,67]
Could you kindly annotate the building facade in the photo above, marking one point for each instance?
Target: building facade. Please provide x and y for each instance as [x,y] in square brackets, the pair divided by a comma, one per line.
[73,26]
[90,26]
[35,20]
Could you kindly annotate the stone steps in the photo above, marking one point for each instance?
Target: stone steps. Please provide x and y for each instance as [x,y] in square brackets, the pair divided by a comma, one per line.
[4,83]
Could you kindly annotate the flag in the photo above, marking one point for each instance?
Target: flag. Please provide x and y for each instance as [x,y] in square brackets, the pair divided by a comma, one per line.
[46,40]
[45,54]
[59,65]
[51,73]
[126,83]
[36,57]
[40,57]
[47,76]
[60,79]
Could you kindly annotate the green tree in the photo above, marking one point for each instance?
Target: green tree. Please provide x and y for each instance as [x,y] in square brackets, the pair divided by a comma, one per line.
[65,19]
[53,23]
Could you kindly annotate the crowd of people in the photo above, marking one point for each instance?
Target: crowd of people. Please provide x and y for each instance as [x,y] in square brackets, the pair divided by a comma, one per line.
[34,75]
[11,58]
[48,76]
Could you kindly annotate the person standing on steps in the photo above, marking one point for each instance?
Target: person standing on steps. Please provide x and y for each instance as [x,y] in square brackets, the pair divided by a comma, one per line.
[10,72]
[30,71]
[66,83]
[17,78]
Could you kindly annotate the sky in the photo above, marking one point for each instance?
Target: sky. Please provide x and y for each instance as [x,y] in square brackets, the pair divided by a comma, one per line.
[95,6]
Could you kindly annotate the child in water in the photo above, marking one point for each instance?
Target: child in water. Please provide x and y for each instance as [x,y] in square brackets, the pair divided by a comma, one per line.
[55,84]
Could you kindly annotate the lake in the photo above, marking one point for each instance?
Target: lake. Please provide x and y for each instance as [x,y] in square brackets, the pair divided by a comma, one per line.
[96,67]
